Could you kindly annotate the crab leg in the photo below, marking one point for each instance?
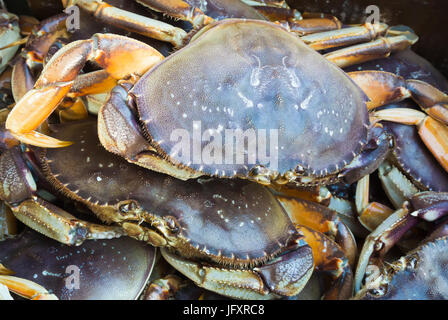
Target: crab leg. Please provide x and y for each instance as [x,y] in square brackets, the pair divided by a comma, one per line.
[272,3]
[266,282]
[321,219]
[428,206]
[92,83]
[383,88]
[178,9]
[26,288]
[133,22]
[376,49]
[370,214]
[18,193]
[34,52]
[344,37]
[121,57]
[59,225]
[304,24]
[330,259]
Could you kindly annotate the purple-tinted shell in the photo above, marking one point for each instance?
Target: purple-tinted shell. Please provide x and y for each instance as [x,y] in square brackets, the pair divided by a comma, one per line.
[253,75]
[108,269]
[425,276]
[223,217]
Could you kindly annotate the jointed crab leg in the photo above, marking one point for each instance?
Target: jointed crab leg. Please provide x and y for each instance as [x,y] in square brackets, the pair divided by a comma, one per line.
[133,22]
[22,287]
[370,214]
[428,206]
[433,133]
[44,217]
[34,52]
[272,3]
[302,24]
[121,57]
[264,282]
[321,219]
[26,288]
[178,9]
[383,88]
[346,36]
[59,224]
[376,49]
[330,259]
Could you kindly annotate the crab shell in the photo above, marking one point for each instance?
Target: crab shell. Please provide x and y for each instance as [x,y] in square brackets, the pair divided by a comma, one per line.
[420,275]
[232,222]
[110,269]
[252,76]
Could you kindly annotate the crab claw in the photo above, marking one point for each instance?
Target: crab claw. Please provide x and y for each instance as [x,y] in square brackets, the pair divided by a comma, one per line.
[23,120]
[119,56]
[26,288]
[285,275]
[40,140]
[430,99]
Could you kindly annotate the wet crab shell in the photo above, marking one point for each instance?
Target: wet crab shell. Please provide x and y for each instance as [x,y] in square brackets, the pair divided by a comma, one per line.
[108,269]
[421,275]
[231,221]
[252,75]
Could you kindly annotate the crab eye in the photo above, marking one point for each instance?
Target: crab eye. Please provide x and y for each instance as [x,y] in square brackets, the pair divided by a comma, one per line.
[172,224]
[128,207]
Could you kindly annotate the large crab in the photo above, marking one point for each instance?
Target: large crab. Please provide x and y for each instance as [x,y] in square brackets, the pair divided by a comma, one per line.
[308,97]
[202,224]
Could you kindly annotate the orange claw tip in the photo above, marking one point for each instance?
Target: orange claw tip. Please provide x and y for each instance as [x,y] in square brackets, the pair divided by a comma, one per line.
[5,271]
[37,139]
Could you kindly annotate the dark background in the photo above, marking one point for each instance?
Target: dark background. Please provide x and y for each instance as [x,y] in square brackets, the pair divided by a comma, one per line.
[428,18]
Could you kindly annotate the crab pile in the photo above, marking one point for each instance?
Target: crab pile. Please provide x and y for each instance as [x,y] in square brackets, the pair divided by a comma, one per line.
[120,181]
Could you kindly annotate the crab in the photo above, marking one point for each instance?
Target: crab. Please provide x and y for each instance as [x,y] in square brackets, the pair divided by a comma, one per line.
[346,149]
[420,266]
[201,225]
[115,269]
[410,167]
